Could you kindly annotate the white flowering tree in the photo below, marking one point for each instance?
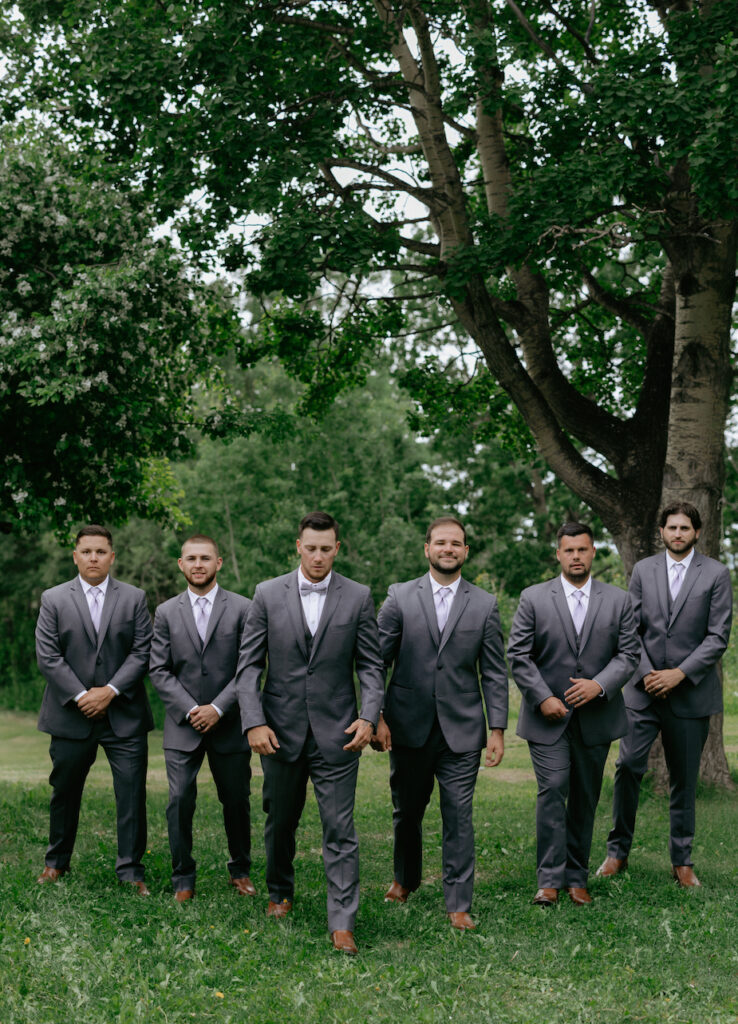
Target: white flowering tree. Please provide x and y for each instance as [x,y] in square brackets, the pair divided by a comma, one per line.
[104,338]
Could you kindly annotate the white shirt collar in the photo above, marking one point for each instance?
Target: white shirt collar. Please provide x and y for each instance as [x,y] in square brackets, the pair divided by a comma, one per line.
[453,587]
[569,588]
[671,562]
[87,587]
[210,596]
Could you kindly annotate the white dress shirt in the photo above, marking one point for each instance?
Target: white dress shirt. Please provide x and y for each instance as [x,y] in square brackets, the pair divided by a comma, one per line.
[672,562]
[103,588]
[313,602]
[208,609]
[436,586]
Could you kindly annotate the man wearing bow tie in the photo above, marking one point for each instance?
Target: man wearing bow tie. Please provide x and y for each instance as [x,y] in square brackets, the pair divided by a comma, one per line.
[310,629]
[92,645]
[683,607]
[194,654]
[573,646]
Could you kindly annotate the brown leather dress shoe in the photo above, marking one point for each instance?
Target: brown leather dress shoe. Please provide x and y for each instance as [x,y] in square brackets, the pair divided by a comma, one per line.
[280,909]
[140,888]
[612,866]
[344,942]
[546,897]
[50,875]
[183,895]
[461,920]
[243,886]
[396,893]
[579,895]
[685,876]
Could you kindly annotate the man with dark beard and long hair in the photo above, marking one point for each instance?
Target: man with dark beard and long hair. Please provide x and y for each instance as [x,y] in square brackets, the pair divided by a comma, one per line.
[683,607]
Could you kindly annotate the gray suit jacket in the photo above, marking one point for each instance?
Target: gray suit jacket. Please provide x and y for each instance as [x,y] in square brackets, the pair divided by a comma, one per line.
[543,655]
[310,686]
[692,638]
[440,675]
[186,672]
[71,658]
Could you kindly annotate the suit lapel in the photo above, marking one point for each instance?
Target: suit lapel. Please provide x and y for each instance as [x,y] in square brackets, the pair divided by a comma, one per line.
[111,600]
[425,596]
[562,609]
[329,607]
[593,606]
[78,596]
[294,607]
[661,583]
[188,618]
[219,606]
[690,578]
[459,603]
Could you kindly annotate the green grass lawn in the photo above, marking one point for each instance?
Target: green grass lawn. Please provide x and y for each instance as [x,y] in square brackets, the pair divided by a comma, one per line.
[88,951]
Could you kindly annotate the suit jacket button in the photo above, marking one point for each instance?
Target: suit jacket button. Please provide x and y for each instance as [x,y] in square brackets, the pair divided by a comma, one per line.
[98,661]
[204,671]
[440,666]
[310,671]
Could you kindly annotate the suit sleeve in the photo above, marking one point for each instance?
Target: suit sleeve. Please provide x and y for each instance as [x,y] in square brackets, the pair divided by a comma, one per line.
[228,695]
[524,670]
[57,672]
[636,598]
[720,618]
[129,674]
[368,662]
[176,699]
[613,677]
[252,657]
[389,622]
[493,671]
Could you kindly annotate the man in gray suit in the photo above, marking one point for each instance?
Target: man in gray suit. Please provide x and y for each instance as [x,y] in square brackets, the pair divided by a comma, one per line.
[572,648]
[311,627]
[92,645]
[194,655]
[683,604]
[443,636]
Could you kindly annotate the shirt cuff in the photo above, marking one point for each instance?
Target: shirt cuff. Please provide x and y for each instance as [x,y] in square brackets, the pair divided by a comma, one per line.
[115,689]
[220,713]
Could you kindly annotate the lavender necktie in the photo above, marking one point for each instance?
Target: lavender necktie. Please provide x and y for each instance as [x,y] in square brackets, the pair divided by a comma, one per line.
[443,596]
[201,620]
[578,615]
[95,607]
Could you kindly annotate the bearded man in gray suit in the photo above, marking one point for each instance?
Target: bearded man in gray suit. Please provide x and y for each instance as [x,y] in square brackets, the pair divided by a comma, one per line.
[573,646]
[683,608]
[92,646]
[443,636]
[312,627]
[194,655]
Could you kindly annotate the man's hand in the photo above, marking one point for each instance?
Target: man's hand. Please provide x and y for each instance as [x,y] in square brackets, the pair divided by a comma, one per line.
[582,691]
[553,709]
[659,683]
[495,748]
[382,738]
[203,718]
[262,740]
[362,734]
[94,703]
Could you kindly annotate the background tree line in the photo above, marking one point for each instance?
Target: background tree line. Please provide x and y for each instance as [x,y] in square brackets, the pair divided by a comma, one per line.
[533,208]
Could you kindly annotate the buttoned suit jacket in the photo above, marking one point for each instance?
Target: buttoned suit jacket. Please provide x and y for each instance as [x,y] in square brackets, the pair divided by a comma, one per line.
[310,685]
[692,637]
[440,674]
[186,671]
[544,656]
[72,658]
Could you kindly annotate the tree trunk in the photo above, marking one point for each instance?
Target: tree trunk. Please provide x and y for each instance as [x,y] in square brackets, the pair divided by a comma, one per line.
[700,399]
